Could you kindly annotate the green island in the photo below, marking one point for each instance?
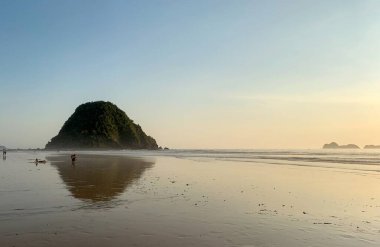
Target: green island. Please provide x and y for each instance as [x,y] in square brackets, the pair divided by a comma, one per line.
[101,125]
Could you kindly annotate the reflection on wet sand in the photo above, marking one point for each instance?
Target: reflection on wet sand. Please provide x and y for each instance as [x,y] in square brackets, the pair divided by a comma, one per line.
[99,177]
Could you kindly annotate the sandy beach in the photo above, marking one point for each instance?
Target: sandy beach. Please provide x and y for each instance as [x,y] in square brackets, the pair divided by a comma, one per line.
[190,198]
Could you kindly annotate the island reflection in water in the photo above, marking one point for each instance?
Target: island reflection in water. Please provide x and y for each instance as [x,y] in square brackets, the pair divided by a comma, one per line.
[98,178]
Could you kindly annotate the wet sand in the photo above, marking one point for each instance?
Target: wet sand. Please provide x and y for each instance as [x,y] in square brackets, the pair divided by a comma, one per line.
[120,199]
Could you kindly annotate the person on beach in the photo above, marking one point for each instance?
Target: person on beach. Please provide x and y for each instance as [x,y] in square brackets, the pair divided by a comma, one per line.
[4,152]
[73,158]
[37,161]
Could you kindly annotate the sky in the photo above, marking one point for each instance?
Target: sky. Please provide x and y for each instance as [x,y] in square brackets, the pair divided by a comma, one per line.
[195,74]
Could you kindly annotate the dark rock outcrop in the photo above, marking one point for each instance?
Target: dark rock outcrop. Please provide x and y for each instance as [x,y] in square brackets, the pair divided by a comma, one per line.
[331,145]
[350,146]
[372,147]
[334,145]
[101,125]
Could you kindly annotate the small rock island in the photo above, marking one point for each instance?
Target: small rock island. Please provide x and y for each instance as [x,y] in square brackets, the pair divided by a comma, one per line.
[372,147]
[101,125]
[334,145]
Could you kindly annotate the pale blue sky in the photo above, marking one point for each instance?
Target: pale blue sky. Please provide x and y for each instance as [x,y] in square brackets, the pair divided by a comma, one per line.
[195,74]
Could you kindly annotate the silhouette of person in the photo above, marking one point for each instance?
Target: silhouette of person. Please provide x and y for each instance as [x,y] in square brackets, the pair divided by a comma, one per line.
[73,158]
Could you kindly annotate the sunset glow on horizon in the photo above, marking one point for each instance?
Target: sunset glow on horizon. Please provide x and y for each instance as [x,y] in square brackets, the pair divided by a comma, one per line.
[195,74]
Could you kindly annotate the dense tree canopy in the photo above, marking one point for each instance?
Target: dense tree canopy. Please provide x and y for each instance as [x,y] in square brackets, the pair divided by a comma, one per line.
[101,125]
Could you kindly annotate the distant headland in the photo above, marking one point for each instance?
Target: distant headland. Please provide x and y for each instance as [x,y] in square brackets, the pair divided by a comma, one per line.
[334,145]
[372,147]
[101,125]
